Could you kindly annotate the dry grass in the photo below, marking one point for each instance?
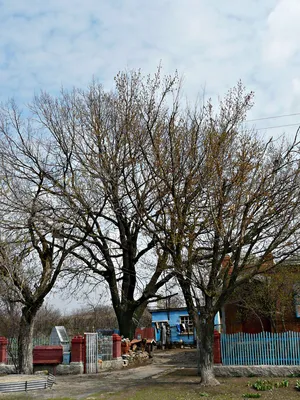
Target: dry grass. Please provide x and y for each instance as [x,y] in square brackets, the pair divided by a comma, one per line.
[187,387]
[180,384]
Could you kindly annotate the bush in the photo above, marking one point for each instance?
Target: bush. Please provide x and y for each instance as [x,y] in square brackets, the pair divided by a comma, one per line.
[262,385]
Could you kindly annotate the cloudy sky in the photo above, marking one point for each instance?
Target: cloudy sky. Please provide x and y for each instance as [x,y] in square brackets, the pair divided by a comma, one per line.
[212,43]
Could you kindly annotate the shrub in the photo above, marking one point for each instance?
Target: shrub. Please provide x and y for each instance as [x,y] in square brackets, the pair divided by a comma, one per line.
[262,385]
[297,386]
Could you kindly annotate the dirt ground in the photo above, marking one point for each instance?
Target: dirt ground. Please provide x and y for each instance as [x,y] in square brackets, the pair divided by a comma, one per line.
[111,382]
[172,375]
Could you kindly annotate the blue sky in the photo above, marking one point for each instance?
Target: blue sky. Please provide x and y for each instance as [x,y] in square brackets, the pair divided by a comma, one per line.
[212,44]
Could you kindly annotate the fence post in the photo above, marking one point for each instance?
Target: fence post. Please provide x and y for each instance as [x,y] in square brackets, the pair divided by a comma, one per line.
[217,348]
[3,349]
[116,345]
[77,353]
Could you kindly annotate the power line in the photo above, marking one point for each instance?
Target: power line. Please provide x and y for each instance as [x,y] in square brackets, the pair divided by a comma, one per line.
[277,126]
[272,117]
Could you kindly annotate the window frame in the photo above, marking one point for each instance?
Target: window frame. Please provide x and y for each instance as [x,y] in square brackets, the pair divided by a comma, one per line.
[187,321]
[296,289]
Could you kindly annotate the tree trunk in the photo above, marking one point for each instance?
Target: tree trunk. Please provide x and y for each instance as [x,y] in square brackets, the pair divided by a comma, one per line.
[25,360]
[128,319]
[205,333]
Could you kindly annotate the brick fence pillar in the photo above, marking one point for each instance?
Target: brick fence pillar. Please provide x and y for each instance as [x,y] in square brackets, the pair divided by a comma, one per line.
[217,348]
[3,349]
[77,350]
[116,345]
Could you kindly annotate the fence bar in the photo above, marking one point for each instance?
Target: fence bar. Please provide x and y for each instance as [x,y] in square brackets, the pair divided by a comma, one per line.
[264,348]
[39,383]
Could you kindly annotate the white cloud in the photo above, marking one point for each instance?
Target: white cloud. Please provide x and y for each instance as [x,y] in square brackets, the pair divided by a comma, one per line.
[213,44]
[282,41]
[66,44]
[296,86]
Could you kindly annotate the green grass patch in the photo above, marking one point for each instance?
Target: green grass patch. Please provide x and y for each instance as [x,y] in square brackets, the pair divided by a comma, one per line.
[173,387]
[263,385]
[31,396]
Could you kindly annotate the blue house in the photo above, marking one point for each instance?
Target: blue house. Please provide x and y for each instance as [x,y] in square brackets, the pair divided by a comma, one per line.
[177,325]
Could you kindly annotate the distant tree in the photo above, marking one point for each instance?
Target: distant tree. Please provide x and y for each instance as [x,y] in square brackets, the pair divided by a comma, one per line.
[146,320]
[88,319]
[171,302]
[10,311]
[173,297]
[47,317]
[10,316]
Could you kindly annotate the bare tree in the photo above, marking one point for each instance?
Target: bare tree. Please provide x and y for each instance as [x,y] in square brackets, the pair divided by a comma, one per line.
[224,192]
[92,152]
[32,255]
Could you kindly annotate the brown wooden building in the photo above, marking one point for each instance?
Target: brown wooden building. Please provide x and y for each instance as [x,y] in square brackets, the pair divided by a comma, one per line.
[270,302]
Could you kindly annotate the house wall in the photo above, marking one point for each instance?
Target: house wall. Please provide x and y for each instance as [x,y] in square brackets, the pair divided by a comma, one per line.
[172,316]
[252,324]
[289,323]
[285,277]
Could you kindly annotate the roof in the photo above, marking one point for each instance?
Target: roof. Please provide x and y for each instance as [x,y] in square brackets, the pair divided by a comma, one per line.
[167,309]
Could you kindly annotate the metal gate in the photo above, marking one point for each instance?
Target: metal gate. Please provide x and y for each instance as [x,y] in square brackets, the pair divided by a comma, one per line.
[91,353]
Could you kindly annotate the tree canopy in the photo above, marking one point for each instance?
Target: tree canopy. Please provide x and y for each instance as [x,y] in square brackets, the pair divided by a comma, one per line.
[137,187]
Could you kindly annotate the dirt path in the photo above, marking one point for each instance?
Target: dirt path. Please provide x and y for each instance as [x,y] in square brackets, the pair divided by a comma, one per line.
[178,358]
[82,386]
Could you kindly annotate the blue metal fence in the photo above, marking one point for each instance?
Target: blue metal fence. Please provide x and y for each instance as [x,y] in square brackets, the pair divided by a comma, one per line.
[263,348]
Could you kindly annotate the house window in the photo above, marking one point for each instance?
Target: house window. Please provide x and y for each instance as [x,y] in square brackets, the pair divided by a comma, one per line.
[297,305]
[296,288]
[186,324]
